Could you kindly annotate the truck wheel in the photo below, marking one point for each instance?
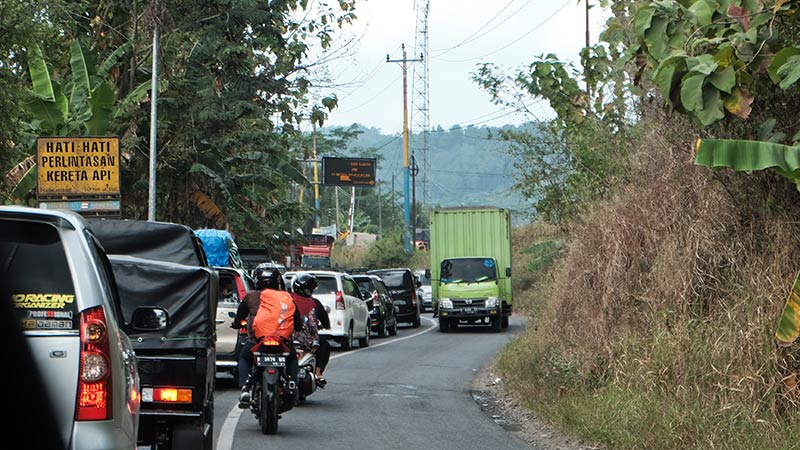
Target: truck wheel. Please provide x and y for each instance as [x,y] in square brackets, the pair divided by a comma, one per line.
[496,324]
[505,322]
[444,325]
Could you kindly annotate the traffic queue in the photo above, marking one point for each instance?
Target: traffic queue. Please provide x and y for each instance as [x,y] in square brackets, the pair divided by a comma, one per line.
[139,324]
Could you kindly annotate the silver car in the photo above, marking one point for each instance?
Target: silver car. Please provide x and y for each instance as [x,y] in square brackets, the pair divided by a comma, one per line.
[60,283]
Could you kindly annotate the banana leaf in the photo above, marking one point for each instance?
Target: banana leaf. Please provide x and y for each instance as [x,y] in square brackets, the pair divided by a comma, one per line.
[40,76]
[747,156]
[101,105]
[22,177]
[80,78]
[789,323]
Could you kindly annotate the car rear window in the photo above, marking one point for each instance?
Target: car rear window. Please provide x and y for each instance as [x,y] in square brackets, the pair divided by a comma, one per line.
[37,276]
[364,284]
[397,279]
[326,285]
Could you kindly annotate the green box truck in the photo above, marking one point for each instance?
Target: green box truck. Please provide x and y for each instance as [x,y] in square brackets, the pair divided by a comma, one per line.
[471,266]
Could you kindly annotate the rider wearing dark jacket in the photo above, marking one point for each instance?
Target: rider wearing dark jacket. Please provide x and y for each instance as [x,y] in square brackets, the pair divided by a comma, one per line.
[303,287]
[265,279]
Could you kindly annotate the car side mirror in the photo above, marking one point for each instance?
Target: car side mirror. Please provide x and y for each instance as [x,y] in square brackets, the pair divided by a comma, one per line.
[508,271]
[149,319]
[419,284]
[370,304]
[231,314]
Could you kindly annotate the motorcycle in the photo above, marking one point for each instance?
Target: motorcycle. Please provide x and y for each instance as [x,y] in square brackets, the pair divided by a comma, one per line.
[307,366]
[271,391]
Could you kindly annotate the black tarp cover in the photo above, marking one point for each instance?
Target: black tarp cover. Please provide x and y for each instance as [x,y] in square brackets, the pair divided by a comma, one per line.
[187,293]
[161,241]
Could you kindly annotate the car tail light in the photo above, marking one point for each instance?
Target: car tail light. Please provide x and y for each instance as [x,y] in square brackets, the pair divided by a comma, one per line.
[413,298]
[339,300]
[94,381]
[167,395]
[375,302]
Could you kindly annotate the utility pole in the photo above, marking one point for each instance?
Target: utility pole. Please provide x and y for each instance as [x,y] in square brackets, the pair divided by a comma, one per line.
[336,201]
[380,214]
[151,211]
[414,173]
[407,204]
[392,197]
[316,176]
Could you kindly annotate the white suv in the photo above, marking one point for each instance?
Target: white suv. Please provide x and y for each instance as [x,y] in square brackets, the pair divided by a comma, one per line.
[348,312]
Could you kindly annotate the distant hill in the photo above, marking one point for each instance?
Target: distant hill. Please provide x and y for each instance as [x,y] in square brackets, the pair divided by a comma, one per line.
[468,167]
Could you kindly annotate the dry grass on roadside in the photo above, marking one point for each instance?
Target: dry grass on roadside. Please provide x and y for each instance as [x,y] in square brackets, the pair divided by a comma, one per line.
[655,330]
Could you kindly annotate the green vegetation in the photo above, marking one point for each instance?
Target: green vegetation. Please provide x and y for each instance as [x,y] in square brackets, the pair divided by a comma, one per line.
[656,327]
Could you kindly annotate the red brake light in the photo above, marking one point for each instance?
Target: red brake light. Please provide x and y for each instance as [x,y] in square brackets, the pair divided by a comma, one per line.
[339,300]
[271,342]
[94,381]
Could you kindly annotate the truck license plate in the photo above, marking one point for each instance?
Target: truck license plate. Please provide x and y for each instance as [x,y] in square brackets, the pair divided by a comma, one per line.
[271,360]
[469,310]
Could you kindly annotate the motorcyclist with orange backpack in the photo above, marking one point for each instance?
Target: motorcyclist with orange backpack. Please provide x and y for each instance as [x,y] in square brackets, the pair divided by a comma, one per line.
[268,311]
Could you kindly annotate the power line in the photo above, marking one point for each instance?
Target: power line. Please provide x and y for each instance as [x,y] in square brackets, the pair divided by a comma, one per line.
[512,42]
[472,37]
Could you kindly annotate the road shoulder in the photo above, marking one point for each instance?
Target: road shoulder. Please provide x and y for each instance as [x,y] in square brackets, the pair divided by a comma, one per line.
[505,410]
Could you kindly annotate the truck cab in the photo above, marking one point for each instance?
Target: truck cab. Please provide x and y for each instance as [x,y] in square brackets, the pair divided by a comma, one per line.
[469,291]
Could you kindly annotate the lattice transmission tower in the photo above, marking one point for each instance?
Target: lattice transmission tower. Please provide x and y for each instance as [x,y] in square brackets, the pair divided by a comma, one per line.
[420,117]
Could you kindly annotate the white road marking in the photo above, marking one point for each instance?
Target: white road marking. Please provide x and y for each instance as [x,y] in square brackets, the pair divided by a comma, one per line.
[225,438]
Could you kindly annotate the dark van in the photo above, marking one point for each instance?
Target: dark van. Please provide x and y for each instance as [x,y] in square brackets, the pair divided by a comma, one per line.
[402,287]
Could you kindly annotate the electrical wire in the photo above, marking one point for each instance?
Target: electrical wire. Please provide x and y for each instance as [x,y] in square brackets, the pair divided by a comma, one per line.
[510,43]
[472,39]
[469,38]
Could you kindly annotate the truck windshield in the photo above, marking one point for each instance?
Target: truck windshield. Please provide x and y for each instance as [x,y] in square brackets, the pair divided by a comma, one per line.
[316,261]
[468,270]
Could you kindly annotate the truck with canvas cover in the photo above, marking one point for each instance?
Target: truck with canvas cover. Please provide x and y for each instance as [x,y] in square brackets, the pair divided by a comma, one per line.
[221,250]
[168,297]
[471,266]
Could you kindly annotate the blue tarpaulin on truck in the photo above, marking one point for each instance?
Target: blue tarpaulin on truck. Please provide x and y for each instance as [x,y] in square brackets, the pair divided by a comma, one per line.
[220,247]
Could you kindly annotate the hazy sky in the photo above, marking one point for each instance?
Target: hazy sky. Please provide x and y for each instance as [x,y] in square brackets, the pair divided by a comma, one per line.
[462,34]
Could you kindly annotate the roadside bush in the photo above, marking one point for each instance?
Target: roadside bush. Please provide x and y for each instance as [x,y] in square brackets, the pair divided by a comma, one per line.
[656,328]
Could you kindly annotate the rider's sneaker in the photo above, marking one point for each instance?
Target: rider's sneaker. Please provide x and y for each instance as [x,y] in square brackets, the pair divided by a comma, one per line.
[244,399]
[321,382]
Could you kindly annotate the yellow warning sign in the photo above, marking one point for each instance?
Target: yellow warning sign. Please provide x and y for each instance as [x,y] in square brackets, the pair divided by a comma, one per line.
[77,166]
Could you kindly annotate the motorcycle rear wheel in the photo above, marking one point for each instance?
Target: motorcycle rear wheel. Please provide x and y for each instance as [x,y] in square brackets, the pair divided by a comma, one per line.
[268,420]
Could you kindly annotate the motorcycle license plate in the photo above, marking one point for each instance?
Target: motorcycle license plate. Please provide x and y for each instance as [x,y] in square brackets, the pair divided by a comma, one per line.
[271,360]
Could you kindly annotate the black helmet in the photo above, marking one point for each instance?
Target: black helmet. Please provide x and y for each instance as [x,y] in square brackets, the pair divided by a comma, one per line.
[268,278]
[304,284]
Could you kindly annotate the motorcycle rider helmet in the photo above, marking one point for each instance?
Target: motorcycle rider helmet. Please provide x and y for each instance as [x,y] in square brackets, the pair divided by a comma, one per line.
[268,278]
[304,284]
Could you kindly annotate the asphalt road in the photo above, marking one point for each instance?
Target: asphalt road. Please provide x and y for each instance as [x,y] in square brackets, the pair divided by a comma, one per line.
[412,390]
